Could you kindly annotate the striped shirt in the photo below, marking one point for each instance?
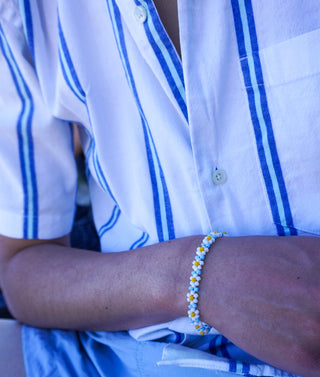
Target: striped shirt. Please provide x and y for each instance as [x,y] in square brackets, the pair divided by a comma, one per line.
[225,137]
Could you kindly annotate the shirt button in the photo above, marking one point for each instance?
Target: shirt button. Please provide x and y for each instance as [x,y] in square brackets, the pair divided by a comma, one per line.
[140,13]
[219,177]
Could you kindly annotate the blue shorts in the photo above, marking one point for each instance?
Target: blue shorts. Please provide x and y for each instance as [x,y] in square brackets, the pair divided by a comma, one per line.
[58,353]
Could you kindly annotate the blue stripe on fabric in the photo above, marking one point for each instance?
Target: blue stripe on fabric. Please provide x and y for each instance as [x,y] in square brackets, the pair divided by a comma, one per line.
[162,206]
[232,366]
[218,346]
[260,115]
[67,66]
[140,242]
[223,347]
[166,54]
[111,222]
[72,80]
[89,150]
[97,167]
[96,164]
[25,10]
[245,369]
[213,345]
[25,142]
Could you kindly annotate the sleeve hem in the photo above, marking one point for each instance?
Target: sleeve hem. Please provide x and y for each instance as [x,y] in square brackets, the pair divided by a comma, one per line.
[49,226]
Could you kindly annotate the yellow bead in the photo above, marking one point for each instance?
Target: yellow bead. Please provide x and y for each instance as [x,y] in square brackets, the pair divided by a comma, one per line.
[191,298]
[196,263]
[201,332]
[192,314]
[196,327]
[224,232]
[193,280]
[216,232]
[208,238]
[201,248]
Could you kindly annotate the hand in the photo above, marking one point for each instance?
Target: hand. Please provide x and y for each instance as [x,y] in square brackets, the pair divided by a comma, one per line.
[263,293]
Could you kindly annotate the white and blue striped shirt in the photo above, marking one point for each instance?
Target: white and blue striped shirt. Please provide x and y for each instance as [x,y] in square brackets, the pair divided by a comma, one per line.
[227,137]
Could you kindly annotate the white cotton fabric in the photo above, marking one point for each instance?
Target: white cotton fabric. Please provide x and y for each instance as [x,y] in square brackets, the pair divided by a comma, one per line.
[219,134]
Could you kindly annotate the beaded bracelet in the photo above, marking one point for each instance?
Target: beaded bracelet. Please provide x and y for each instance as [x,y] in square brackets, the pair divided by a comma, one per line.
[193,294]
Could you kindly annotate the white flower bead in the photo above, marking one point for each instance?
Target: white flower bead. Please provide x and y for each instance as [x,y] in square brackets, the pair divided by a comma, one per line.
[193,314]
[192,297]
[197,264]
[195,279]
[202,250]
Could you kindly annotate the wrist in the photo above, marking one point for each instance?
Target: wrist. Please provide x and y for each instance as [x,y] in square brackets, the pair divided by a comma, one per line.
[179,274]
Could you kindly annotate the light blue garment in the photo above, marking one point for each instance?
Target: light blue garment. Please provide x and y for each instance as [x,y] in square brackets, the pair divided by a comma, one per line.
[58,353]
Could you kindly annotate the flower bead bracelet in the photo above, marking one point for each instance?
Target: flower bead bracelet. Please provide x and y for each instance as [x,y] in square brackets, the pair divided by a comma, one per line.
[193,293]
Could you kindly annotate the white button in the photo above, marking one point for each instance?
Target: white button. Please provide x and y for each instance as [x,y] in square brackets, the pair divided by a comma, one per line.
[140,13]
[219,177]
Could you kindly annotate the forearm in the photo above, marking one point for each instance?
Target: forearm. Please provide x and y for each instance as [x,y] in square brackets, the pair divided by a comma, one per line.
[60,287]
[261,292]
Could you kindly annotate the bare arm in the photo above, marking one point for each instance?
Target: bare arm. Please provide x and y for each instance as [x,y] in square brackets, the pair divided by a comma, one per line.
[261,292]
[55,286]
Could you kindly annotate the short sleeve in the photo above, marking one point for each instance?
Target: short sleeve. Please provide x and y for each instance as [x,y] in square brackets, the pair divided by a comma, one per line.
[37,167]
